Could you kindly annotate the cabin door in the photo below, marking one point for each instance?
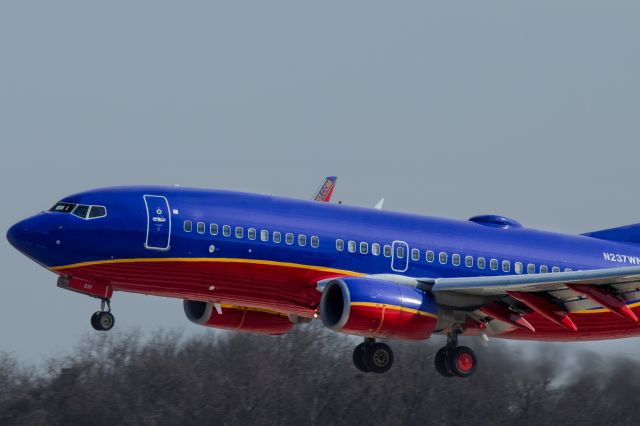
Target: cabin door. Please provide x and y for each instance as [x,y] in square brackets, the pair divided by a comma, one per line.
[158,223]
[400,256]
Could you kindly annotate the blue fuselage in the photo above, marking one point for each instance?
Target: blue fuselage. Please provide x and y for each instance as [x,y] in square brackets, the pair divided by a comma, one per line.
[174,222]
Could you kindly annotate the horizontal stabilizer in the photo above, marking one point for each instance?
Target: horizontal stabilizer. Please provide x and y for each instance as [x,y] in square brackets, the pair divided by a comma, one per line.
[625,234]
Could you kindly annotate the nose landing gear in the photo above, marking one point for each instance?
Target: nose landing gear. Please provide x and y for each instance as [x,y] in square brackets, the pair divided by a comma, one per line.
[453,360]
[371,356]
[103,320]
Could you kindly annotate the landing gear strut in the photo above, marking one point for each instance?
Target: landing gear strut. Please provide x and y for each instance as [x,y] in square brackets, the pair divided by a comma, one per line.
[103,320]
[371,356]
[453,360]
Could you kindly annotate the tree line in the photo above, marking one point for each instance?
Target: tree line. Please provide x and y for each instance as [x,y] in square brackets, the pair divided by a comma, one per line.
[306,377]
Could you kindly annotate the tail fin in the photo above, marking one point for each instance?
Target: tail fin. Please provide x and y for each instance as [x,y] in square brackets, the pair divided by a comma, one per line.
[623,234]
[323,194]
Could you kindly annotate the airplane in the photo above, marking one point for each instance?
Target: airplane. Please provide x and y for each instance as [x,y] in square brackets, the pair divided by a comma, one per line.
[264,263]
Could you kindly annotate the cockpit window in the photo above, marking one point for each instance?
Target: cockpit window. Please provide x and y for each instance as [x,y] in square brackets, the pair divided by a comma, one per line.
[97,211]
[81,211]
[63,208]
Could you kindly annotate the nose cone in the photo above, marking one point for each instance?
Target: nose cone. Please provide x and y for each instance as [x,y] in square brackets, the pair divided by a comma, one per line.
[39,238]
[30,236]
[13,235]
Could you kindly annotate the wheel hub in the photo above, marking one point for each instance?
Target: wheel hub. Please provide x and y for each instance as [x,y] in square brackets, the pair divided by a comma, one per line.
[465,362]
[381,358]
[105,321]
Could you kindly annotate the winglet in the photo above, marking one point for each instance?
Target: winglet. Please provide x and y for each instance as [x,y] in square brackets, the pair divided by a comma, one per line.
[379,204]
[323,194]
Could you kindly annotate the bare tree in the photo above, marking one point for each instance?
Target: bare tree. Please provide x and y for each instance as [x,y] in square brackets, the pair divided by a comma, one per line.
[306,377]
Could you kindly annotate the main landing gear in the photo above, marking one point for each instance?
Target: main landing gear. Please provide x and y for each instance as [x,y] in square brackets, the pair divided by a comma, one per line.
[453,360]
[103,320]
[372,357]
[450,361]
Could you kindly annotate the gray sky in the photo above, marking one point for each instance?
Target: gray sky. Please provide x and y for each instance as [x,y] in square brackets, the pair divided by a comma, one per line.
[527,109]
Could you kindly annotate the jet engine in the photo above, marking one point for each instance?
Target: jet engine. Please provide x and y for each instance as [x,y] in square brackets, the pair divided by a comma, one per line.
[237,318]
[375,308]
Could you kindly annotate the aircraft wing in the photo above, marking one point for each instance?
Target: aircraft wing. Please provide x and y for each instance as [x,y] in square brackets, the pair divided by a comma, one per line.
[508,298]
[323,194]
[500,285]
[553,295]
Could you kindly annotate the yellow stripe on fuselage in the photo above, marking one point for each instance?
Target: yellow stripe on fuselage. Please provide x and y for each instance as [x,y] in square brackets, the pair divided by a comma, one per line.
[245,308]
[212,260]
[603,310]
[396,307]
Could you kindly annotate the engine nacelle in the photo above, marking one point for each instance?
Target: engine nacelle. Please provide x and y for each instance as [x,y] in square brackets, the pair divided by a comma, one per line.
[237,318]
[375,308]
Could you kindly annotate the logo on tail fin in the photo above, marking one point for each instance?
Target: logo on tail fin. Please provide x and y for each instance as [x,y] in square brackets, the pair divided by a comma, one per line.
[326,190]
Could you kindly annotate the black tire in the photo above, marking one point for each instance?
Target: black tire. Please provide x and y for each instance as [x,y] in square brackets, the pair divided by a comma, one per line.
[94,321]
[441,362]
[105,321]
[463,361]
[379,357]
[358,358]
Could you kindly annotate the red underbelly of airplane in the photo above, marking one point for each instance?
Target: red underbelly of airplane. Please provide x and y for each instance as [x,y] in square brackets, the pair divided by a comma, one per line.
[280,287]
[289,288]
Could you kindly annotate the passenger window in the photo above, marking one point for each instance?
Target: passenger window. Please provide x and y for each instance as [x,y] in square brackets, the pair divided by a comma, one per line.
[200,227]
[387,251]
[415,254]
[506,266]
[482,263]
[568,269]
[493,264]
[455,259]
[251,233]
[517,267]
[97,211]
[277,237]
[351,246]
[430,256]
[288,238]
[264,235]
[239,232]
[213,229]
[531,268]
[543,269]
[188,226]
[375,249]
[364,248]
[400,252]
[315,242]
[555,269]
[442,257]
[302,240]
[339,245]
[468,261]
[81,211]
